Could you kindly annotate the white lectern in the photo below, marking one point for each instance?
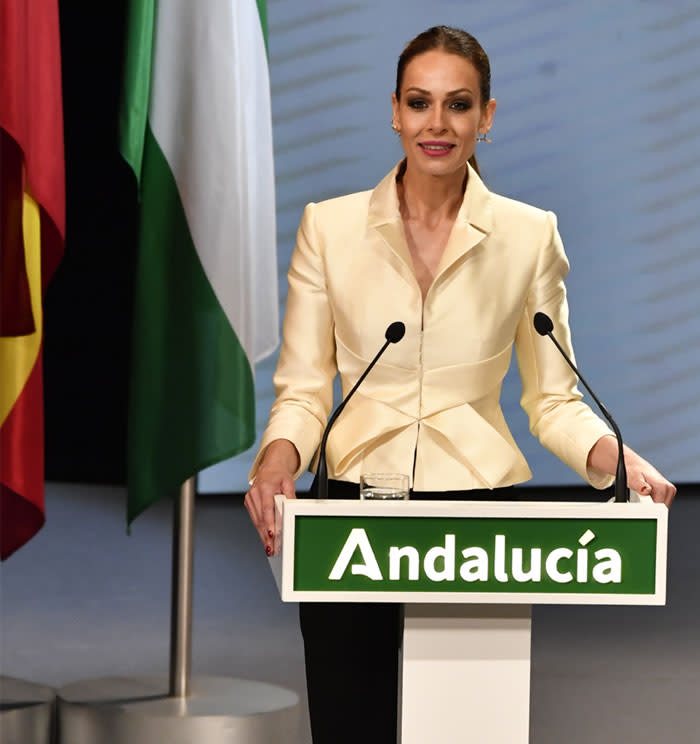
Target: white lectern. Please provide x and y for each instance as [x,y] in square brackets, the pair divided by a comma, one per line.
[468,573]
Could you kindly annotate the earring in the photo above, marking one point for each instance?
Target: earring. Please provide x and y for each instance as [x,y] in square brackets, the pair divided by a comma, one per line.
[481,137]
[397,131]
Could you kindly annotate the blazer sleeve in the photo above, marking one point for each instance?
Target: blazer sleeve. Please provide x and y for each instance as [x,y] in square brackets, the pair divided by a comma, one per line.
[307,363]
[558,417]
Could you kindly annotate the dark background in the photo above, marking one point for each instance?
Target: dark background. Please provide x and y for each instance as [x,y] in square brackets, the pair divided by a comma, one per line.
[88,302]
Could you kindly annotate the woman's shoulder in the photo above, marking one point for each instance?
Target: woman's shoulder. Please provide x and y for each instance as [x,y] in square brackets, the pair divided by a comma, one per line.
[519,224]
[358,200]
[503,215]
[380,201]
[506,206]
[338,216]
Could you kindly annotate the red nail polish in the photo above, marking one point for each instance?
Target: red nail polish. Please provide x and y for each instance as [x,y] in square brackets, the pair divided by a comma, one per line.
[268,550]
[270,533]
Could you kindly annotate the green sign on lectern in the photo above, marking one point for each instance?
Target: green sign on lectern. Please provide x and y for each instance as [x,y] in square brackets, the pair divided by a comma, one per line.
[472,552]
[478,554]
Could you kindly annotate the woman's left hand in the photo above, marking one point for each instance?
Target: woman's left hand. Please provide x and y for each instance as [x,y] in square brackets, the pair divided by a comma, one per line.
[642,476]
[645,479]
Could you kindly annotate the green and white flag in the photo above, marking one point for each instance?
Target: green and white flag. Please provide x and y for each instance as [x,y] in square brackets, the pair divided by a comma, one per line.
[196,129]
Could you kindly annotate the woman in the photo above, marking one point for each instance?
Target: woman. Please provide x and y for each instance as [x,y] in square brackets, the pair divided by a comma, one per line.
[465,270]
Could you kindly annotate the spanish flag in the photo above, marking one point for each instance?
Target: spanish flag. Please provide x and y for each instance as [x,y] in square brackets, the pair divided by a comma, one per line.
[32,233]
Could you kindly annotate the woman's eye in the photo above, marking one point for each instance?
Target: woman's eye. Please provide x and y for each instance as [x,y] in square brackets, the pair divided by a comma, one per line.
[417,103]
[461,105]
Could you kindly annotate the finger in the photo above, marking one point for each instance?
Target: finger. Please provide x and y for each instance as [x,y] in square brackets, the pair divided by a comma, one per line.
[254,498]
[641,484]
[264,531]
[662,491]
[288,488]
[659,495]
[670,494]
[269,517]
[251,504]
[655,489]
[248,503]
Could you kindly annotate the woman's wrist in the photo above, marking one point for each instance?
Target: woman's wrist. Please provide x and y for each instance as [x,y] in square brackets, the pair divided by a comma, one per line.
[603,455]
[280,454]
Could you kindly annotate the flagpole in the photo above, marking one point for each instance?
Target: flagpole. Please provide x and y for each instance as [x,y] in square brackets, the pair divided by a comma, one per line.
[181,608]
[218,710]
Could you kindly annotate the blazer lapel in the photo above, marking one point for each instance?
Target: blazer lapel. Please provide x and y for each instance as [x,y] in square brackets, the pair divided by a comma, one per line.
[473,223]
[384,218]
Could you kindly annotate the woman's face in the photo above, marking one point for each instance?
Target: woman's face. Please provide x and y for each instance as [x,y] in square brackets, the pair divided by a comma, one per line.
[440,112]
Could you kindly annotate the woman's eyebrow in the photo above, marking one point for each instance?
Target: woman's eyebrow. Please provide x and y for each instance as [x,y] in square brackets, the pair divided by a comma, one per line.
[428,93]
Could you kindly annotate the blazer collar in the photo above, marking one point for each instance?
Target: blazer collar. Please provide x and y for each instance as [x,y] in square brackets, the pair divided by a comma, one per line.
[474,220]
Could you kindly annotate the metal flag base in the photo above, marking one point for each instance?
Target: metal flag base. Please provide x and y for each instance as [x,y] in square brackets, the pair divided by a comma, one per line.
[138,710]
[26,712]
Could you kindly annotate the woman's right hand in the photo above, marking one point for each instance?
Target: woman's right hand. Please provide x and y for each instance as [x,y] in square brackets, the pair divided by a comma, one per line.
[274,475]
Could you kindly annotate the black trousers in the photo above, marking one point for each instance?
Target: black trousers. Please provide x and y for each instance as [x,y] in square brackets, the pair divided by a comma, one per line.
[351,652]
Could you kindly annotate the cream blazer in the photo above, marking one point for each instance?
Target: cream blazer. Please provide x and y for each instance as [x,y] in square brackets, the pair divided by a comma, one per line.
[430,407]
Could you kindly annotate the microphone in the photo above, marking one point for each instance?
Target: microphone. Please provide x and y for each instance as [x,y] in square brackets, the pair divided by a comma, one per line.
[394,333]
[544,326]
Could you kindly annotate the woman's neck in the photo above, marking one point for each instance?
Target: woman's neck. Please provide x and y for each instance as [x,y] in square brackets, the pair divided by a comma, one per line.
[431,199]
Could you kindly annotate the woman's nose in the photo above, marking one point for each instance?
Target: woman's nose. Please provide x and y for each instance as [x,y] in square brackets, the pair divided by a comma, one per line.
[437,120]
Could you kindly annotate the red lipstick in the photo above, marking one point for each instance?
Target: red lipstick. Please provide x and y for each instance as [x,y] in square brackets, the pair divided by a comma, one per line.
[436,148]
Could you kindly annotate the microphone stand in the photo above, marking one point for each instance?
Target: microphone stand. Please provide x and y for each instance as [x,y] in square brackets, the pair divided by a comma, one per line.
[394,333]
[622,493]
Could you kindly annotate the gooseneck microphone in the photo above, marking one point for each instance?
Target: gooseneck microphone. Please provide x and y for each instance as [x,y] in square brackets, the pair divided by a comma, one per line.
[394,333]
[544,326]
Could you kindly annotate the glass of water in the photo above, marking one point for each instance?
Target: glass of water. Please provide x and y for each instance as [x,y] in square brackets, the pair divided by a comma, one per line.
[384,486]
